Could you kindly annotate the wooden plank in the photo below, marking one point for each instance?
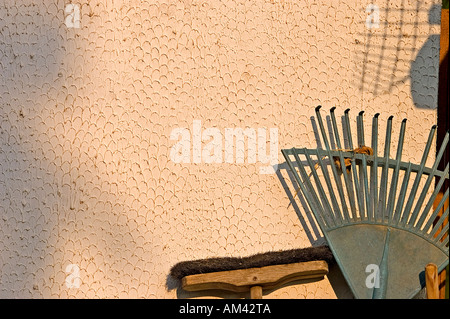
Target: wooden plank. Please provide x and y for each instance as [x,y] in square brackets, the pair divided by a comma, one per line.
[268,277]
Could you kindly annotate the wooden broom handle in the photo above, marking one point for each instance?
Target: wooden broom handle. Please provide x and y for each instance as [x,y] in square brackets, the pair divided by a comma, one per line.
[255,279]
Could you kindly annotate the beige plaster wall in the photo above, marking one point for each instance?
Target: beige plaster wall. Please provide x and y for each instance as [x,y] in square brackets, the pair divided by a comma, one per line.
[87,183]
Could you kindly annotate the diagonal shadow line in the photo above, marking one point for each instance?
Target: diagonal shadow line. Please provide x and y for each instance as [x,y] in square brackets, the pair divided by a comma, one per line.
[306,217]
[399,37]
[382,47]
[366,52]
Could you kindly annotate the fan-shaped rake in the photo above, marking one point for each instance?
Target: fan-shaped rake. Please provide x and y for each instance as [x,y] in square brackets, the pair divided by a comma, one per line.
[378,214]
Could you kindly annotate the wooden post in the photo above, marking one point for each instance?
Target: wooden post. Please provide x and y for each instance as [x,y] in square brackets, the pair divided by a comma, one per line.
[432,281]
[442,278]
[443,114]
[256,292]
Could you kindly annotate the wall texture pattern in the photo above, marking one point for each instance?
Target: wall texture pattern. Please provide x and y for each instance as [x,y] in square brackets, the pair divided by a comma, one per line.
[92,203]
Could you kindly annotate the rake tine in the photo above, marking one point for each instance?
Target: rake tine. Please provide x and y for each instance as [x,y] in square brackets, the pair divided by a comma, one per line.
[323,197]
[444,230]
[336,176]
[361,142]
[335,129]
[374,168]
[347,129]
[413,192]
[291,167]
[445,242]
[339,187]
[349,186]
[358,190]
[428,182]
[366,186]
[337,210]
[433,216]
[402,195]
[432,199]
[322,128]
[394,181]
[384,172]
[315,200]
[360,129]
[439,232]
[347,176]
[309,199]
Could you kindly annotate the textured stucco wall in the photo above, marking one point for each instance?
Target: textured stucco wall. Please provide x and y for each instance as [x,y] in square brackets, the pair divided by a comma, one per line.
[86,117]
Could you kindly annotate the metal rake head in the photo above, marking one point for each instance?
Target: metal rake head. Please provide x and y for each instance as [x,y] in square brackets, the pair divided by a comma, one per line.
[376,212]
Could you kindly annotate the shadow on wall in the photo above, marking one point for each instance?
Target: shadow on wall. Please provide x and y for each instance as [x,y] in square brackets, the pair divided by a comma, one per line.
[50,217]
[30,54]
[424,68]
[388,53]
